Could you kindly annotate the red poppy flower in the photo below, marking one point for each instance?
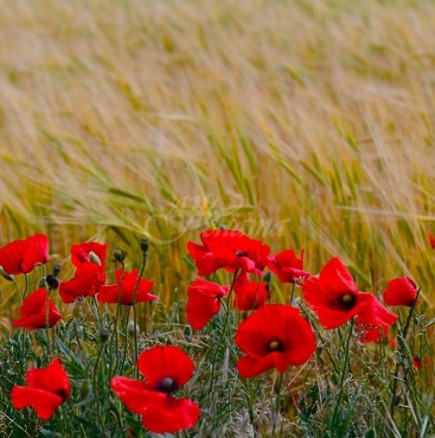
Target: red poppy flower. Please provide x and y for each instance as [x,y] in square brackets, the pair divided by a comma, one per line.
[274,336]
[89,252]
[431,240]
[124,289]
[47,389]
[165,369]
[228,249]
[400,292]
[287,266]
[371,333]
[249,294]
[418,362]
[334,296]
[204,302]
[87,280]
[21,256]
[34,311]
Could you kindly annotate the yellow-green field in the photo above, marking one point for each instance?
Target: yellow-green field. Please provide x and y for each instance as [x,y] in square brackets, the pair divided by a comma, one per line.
[308,124]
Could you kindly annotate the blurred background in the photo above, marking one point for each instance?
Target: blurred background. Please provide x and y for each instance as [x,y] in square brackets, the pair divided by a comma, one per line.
[306,123]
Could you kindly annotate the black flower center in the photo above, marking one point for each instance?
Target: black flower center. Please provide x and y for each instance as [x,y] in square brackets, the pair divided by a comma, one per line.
[275,345]
[347,301]
[62,393]
[168,384]
[240,253]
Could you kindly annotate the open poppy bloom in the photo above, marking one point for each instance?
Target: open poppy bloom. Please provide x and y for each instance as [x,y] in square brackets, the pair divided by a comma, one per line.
[230,250]
[21,256]
[89,252]
[127,286]
[334,296]
[249,295]
[166,369]
[87,280]
[274,336]
[204,302]
[34,313]
[47,388]
[400,292]
[287,266]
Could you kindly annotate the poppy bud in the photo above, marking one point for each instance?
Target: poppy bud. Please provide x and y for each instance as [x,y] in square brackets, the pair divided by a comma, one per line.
[144,245]
[93,258]
[267,277]
[130,328]
[119,255]
[5,275]
[56,270]
[52,282]
[104,333]
[84,390]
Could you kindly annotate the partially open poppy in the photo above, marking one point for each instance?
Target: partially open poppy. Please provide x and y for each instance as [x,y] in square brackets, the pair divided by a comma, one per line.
[274,336]
[47,388]
[400,292]
[127,286]
[249,295]
[287,266]
[231,250]
[165,369]
[34,312]
[204,302]
[89,252]
[21,256]
[87,280]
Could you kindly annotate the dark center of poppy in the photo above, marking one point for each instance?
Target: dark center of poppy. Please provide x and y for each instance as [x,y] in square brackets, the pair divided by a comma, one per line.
[62,393]
[240,253]
[275,346]
[347,301]
[168,384]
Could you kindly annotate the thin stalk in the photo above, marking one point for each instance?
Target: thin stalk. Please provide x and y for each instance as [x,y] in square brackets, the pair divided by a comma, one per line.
[292,292]
[343,371]
[224,329]
[277,403]
[402,348]
[94,387]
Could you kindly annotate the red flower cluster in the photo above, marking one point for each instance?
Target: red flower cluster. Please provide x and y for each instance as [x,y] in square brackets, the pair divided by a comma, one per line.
[231,250]
[274,336]
[165,369]
[89,259]
[128,290]
[34,312]
[400,292]
[334,296]
[21,256]
[47,389]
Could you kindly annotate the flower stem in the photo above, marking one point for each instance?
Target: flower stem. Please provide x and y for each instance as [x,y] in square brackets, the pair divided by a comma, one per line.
[277,403]
[343,371]
[402,349]
[224,329]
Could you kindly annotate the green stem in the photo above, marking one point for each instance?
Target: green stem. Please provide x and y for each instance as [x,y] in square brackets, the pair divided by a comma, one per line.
[94,387]
[224,329]
[277,403]
[292,293]
[343,372]
[402,349]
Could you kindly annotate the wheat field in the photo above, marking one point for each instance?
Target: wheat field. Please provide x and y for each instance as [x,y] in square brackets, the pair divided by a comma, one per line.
[309,123]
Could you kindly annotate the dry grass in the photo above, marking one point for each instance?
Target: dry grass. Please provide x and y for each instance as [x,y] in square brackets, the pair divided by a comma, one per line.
[309,123]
